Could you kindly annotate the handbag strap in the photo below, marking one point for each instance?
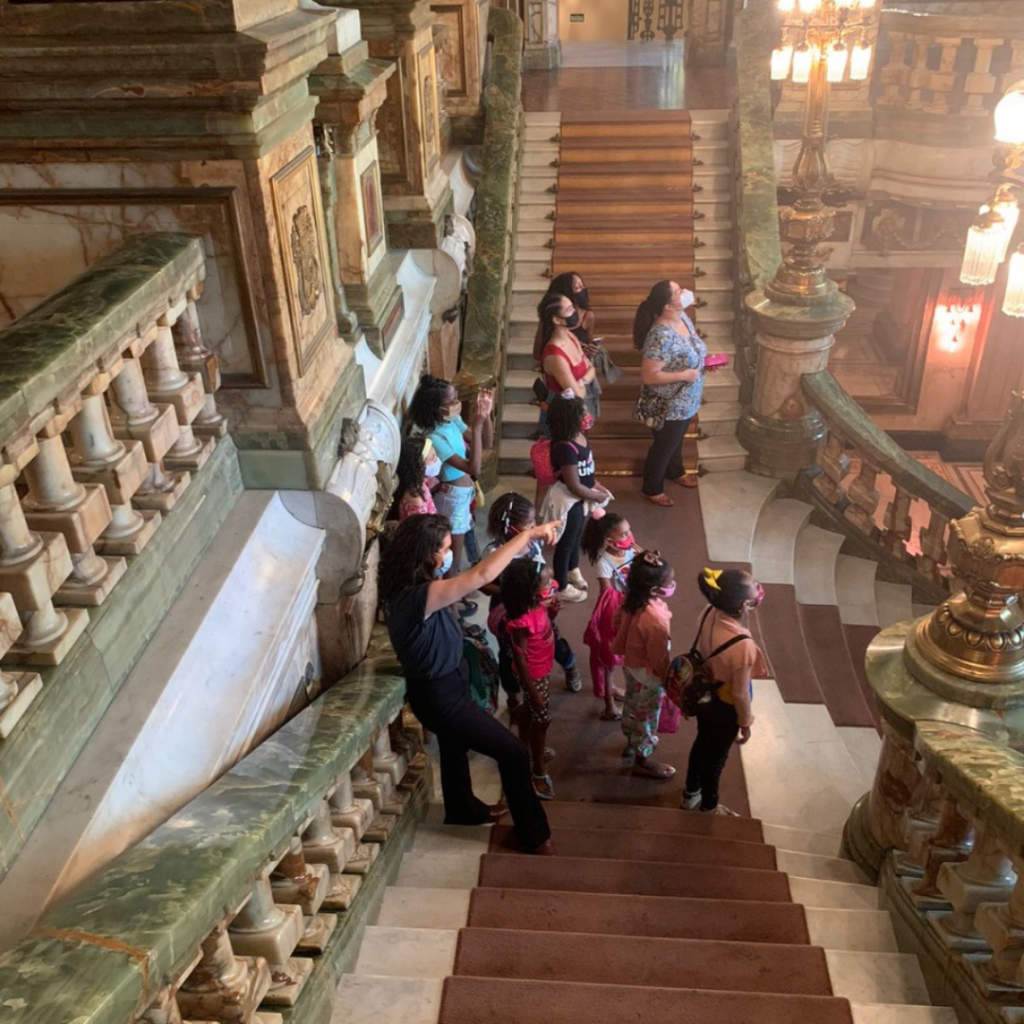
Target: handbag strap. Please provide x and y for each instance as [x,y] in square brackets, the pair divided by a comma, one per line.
[721,647]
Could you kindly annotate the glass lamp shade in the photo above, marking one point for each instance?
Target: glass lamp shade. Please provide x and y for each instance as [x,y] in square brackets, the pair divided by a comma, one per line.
[984,242]
[782,57]
[1013,301]
[803,61]
[1006,206]
[860,62]
[835,66]
[809,6]
[787,6]
[1009,116]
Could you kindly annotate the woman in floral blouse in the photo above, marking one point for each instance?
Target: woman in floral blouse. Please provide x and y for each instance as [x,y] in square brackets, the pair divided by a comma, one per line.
[672,372]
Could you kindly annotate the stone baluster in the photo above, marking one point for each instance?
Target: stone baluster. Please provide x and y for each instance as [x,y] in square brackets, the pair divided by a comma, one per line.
[898,526]
[322,843]
[81,512]
[918,77]
[294,880]
[385,760]
[1016,70]
[163,1010]
[933,545]
[195,357]
[167,383]
[987,876]
[980,84]
[922,819]
[893,76]
[834,465]
[863,497]
[223,987]
[951,844]
[349,811]
[264,929]
[134,417]
[119,466]
[32,568]
[378,787]
[17,689]
[943,80]
[1002,927]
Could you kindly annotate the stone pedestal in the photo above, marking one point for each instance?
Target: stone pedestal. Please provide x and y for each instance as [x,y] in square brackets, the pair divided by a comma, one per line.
[542,49]
[779,429]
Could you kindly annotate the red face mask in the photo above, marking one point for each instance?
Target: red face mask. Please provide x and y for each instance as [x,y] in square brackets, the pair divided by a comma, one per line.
[588,422]
[549,591]
[624,543]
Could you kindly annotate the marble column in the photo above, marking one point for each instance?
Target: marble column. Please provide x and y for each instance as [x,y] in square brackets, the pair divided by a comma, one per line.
[352,87]
[708,32]
[780,430]
[416,192]
[542,47]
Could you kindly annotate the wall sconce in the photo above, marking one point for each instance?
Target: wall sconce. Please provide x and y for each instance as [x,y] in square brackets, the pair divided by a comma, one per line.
[956,319]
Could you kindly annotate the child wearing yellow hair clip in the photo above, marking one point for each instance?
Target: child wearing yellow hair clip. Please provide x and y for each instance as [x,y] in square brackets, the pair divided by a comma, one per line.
[418,466]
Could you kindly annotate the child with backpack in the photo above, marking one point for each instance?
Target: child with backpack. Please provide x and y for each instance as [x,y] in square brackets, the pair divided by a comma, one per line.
[574,494]
[724,659]
[644,640]
[527,588]
[511,514]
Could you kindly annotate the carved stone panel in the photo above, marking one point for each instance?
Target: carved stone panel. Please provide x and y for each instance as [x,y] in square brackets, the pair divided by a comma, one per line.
[301,237]
[451,57]
[373,217]
[391,133]
[428,99]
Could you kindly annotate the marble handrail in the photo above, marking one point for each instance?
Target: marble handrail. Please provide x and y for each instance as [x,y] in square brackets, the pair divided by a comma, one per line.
[110,950]
[489,290]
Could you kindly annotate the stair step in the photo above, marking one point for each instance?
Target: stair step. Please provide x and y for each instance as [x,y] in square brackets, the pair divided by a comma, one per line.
[815,892]
[493,1001]
[407,952]
[598,202]
[814,567]
[730,507]
[893,603]
[877,977]
[563,814]
[393,1000]
[646,176]
[775,535]
[855,590]
[578,874]
[643,961]
[575,151]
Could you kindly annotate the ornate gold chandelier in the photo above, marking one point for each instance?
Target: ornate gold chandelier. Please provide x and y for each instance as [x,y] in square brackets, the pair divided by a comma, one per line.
[823,37]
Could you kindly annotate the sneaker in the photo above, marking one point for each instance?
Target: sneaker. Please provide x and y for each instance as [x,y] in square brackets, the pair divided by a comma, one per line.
[573,679]
[721,809]
[628,754]
[577,580]
[691,801]
[571,594]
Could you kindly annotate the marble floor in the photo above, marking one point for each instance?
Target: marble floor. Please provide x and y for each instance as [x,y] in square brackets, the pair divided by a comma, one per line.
[628,76]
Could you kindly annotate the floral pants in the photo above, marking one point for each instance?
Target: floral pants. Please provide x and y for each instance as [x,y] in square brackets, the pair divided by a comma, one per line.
[641,710]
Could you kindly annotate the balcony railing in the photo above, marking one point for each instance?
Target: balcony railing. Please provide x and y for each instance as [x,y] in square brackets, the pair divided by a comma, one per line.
[106,407]
[251,899]
[931,66]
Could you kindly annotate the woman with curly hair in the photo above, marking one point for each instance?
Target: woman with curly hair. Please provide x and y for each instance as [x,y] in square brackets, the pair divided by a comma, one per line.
[426,637]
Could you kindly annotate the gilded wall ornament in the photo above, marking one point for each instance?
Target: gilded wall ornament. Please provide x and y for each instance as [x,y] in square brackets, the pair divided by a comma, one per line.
[304,256]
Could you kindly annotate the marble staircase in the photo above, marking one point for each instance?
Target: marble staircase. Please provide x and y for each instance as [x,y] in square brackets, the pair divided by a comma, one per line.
[704,229]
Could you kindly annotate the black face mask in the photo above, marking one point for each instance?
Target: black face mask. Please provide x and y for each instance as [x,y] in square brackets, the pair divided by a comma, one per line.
[572,320]
[582,298]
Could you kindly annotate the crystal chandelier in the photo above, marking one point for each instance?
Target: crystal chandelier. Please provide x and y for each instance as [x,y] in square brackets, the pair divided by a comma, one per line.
[991,234]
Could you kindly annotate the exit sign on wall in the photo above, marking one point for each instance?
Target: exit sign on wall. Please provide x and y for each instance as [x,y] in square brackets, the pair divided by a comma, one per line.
[576,17]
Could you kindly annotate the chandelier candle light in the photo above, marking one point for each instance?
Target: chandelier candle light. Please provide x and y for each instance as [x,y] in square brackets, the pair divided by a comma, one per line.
[991,234]
[824,43]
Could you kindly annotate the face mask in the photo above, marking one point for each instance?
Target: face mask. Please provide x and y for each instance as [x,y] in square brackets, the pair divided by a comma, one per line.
[664,591]
[453,410]
[572,320]
[686,299]
[581,298]
[432,469]
[445,565]
[549,591]
[624,543]
[587,423]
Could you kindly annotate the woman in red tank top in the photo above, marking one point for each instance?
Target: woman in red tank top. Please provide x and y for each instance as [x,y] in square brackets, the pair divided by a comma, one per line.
[565,364]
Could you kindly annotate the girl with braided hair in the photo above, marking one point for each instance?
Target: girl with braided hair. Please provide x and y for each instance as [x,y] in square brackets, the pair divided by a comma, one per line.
[734,659]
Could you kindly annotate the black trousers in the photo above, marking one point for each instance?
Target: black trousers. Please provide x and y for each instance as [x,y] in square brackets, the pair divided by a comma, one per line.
[444,707]
[665,456]
[717,729]
[567,550]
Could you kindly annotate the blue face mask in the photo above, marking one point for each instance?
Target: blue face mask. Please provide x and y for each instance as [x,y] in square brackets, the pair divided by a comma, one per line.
[445,565]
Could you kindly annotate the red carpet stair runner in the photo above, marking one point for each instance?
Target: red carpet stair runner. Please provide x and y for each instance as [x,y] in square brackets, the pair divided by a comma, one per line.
[647,914]
[624,202]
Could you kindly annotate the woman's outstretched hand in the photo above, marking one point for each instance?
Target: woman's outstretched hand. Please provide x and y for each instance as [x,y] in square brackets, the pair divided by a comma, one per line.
[547,532]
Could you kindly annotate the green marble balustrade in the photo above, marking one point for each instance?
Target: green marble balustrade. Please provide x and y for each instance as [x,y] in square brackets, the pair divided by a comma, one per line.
[847,418]
[489,292]
[103,955]
[49,350]
[986,779]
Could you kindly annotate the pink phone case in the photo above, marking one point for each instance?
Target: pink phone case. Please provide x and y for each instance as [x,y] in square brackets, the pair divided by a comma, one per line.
[716,359]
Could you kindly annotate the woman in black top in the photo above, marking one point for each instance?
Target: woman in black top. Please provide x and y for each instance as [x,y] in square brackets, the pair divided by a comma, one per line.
[428,641]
